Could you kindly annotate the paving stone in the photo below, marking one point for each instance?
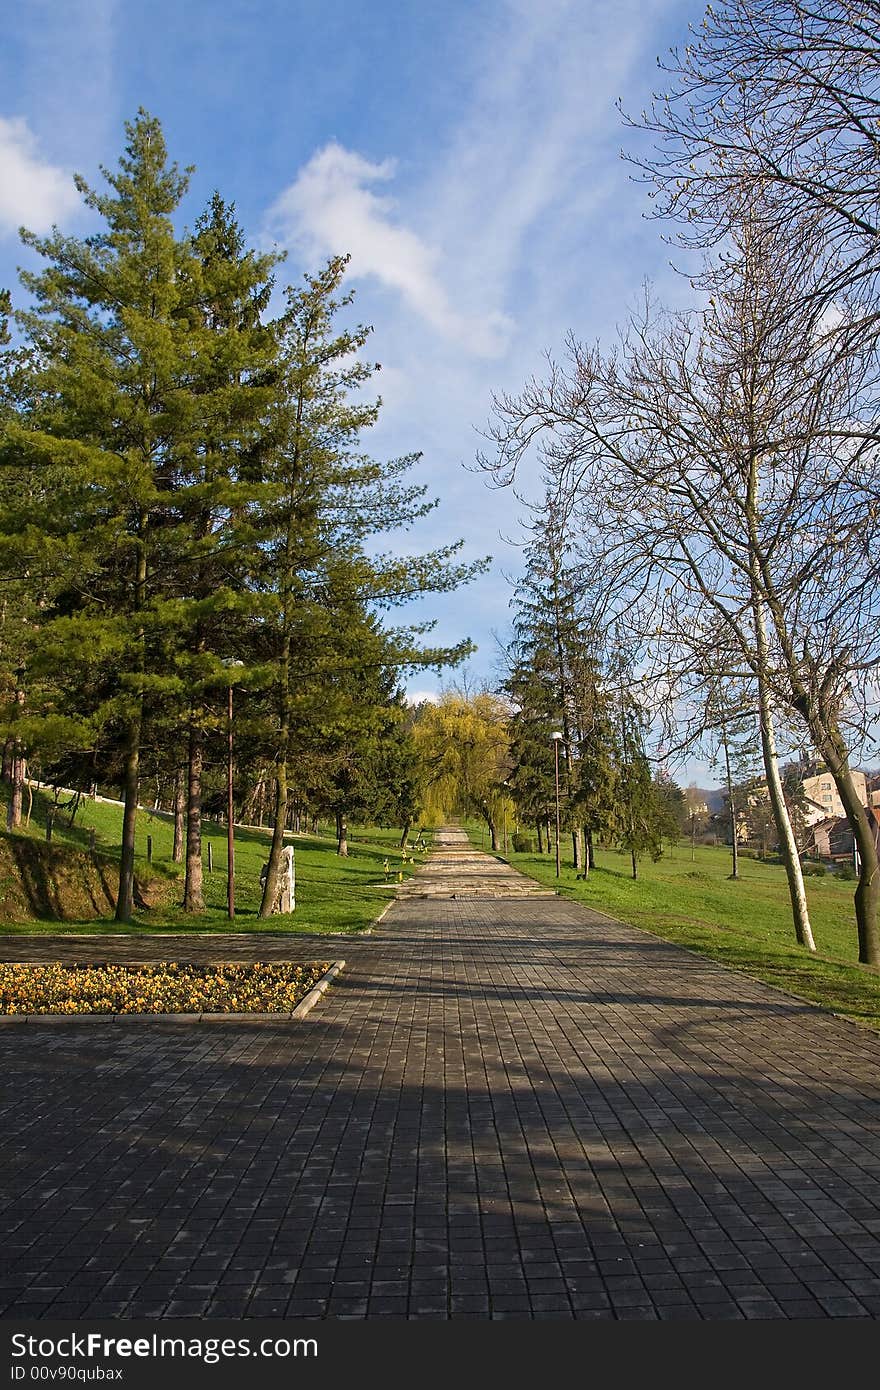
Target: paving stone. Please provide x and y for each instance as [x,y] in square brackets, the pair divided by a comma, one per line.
[507,1101]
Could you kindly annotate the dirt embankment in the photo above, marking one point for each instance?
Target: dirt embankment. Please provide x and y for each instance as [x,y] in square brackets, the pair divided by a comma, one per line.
[40,882]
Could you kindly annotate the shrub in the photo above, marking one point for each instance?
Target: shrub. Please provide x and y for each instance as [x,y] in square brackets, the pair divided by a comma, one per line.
[524,844]
[845,871]
[814,870]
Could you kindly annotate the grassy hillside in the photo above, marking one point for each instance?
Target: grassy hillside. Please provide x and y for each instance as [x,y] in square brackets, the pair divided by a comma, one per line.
[333,894]
[745,923]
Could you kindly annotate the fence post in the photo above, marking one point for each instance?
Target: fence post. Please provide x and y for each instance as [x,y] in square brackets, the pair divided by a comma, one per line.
[210,858]
[149,849]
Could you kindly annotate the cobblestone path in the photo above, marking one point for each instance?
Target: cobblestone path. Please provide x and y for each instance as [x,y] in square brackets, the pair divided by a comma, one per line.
[507,1106]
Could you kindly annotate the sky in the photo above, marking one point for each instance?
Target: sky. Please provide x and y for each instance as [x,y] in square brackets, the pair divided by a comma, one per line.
[466,155]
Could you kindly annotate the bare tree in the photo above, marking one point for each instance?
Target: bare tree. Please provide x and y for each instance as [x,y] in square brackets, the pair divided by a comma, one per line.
[724,470]
[777,100]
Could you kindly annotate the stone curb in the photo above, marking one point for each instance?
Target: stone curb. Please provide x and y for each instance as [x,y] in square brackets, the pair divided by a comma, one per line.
[304,1006]
[376,920]
[314,994]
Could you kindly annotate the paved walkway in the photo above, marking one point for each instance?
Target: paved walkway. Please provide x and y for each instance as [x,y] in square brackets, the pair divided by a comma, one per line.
[508,1106]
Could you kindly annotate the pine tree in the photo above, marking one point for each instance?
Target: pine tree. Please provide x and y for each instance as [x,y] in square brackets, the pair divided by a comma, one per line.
[641,814]
[555,681]
[136,402]
[237,378]
[318,499]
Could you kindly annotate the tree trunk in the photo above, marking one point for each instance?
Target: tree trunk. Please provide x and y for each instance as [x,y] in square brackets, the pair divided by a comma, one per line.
[734,843]
[787,846]
[193,894]
[576,847]
[125,897]
[179,811]
[341,835]
[635,864]
[493,832]
[16,769]
[591,852]
[405,836]
[585,853]
[548,836]
[540,838]
[273,868]
[831,747]
[13,816]
[8,753]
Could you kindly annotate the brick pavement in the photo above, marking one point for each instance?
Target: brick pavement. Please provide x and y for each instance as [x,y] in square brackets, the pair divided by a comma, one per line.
[507,1107]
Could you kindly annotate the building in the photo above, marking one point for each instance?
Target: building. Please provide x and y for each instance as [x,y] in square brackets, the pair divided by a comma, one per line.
[833,838]
[821,798]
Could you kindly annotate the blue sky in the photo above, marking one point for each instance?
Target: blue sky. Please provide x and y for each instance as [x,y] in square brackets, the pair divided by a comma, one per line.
[465,154]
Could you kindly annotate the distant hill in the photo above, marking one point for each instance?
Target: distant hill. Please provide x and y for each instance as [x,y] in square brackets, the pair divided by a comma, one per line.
[713,797]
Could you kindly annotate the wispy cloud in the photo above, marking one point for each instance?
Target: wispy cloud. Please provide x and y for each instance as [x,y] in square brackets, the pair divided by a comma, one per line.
[331,207]
[483,247]
[33,192]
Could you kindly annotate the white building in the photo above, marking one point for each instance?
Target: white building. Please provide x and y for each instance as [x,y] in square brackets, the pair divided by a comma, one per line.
[823,801]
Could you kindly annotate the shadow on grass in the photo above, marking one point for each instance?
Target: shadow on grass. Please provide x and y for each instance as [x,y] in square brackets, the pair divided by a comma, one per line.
[42,869]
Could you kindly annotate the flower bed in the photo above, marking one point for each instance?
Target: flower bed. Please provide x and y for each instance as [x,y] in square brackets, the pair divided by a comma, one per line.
[165,987]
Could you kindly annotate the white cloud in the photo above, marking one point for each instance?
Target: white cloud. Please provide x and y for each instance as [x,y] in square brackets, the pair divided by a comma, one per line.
[422,697]
[496,233]
[33,192]
[331,207]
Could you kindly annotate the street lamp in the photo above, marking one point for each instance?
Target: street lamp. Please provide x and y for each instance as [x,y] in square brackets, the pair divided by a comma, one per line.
[229,663]
[557,739]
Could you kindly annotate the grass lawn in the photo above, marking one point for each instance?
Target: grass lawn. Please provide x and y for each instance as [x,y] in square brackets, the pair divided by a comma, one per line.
[332,894]
[745,924]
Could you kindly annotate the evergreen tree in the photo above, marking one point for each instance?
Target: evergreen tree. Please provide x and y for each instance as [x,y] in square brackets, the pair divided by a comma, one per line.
[136,392]
[555,681]
[641,813]
[318,500]
[239,382]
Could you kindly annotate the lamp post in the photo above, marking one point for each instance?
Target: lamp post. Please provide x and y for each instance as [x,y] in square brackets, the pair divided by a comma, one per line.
[230,827]
[557,739]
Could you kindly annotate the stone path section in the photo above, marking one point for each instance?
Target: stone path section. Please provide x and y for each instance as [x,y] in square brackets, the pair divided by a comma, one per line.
[507,1106]
[456,870]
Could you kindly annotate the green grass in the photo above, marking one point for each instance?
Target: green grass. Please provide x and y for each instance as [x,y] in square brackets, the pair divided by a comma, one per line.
[332,894]
[744,923]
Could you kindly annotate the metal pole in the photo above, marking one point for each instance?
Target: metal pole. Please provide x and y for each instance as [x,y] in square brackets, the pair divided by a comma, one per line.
[230,828]
[556,750]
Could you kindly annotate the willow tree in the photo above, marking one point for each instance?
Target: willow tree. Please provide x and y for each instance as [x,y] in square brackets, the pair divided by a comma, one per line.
[465,745]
